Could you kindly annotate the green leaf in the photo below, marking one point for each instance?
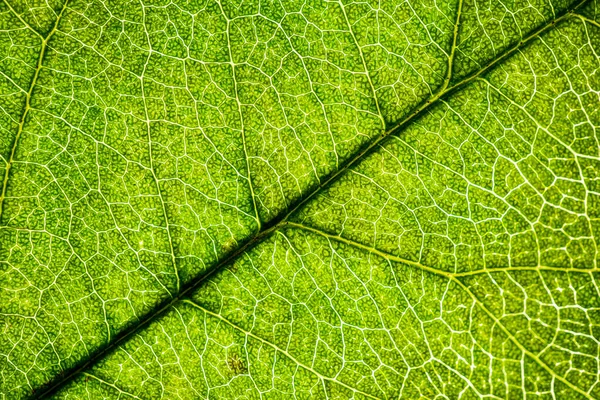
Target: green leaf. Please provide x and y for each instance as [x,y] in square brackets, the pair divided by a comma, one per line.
[330,199]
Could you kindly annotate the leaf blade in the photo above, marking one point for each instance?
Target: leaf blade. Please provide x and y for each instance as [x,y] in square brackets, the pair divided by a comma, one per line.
[157,81]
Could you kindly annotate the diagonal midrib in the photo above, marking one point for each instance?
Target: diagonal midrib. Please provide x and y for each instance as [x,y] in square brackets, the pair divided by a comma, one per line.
[267,229]
[36,74]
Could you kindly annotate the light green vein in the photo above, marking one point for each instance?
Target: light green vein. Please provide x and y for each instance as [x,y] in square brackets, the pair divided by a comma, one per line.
[588,20]
[278,349]
[152,169]
[241,116]
[22,20]
[364,63]
[453,48]
[113,386]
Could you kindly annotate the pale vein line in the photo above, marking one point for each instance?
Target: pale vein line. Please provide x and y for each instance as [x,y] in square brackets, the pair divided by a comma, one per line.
[589,271]
[111,385]
[588,20]
[453,48]
[364,63]
[239,106]
[152,169]
[38,68]
[22,20]
[277,348]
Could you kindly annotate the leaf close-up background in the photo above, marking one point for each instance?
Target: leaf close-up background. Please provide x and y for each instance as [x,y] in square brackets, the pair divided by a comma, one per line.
[273,199]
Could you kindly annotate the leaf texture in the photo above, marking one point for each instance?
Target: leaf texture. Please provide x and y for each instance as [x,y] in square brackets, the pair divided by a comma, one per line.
[322,199]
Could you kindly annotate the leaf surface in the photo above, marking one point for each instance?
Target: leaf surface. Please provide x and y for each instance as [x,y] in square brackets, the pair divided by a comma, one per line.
[398,199]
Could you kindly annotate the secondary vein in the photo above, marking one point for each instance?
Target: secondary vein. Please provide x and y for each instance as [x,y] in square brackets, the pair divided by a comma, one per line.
[38,68]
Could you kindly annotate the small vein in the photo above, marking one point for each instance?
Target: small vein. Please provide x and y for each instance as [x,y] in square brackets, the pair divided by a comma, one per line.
[241,116]
[450,275]
[588,20]
[278,349]
[364,63]
[152,169]
[111,385]
[369,249]
[22,20]
[453,48]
